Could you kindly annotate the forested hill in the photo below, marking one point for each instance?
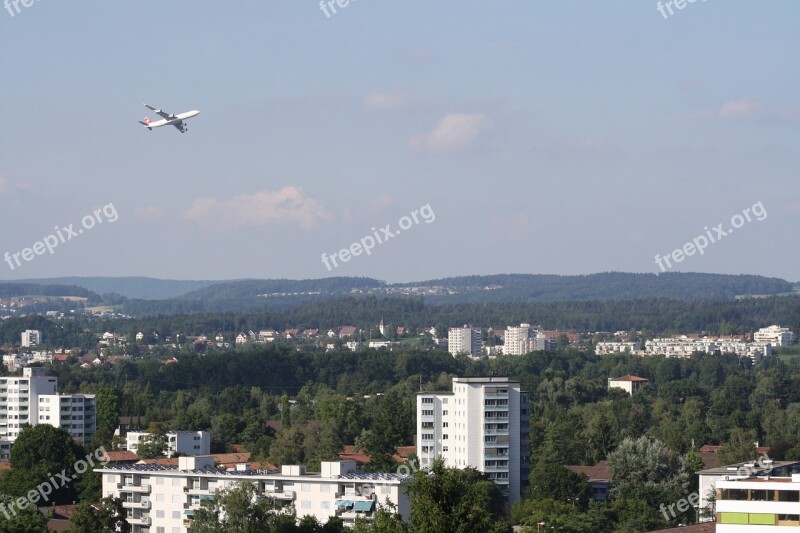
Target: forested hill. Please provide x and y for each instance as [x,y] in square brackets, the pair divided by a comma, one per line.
[130,287]
[18,289]
[259,295]
[147,296]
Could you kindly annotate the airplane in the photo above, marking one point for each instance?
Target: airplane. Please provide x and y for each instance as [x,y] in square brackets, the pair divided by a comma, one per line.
[168,119]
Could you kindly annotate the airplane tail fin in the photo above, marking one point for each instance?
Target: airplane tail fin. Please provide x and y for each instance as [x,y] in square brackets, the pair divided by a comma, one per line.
[146,123]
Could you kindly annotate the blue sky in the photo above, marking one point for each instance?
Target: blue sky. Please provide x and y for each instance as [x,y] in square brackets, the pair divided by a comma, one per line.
[548,137]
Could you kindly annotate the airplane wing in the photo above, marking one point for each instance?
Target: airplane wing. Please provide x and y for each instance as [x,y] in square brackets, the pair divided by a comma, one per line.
[180,125]
[160,113]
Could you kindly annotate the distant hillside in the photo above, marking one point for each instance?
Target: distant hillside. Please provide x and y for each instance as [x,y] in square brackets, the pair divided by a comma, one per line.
[133,287]
[17,289]
[259,295]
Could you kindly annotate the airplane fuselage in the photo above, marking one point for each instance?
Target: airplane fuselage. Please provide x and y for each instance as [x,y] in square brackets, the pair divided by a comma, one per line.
[169,119]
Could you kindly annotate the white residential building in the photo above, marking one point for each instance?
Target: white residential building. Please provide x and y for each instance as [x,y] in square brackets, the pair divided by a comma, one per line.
[606,348]
[516,339]
[19,400]
[74,412]
[629,384]
[31,337]
[775,335]
[482,424]
[163,499]
[465,340]
[758,505]
[709,480]
[183,442]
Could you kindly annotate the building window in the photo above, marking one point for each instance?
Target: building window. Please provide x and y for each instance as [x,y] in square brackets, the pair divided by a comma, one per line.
[444,424]
[427,412]
[159,514]
[444,413]
[444,437]
[176,515]
[445,448]
[427,400]
[305,504]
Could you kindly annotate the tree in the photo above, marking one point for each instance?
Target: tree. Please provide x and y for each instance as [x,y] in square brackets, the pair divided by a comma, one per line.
[39,453]
[107,402]
[242,510]
[645,471]
[16,520]
[551,481]
[286,412]
[740,448]
[107,515]
[388,431]
[449,500]
[152,446]
[287,448]
[386,520]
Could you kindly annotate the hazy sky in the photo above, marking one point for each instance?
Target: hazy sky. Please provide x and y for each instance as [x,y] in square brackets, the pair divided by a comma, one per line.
[547,137]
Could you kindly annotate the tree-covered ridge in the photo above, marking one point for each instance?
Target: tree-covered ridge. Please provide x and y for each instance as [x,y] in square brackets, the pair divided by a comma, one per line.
[15,290]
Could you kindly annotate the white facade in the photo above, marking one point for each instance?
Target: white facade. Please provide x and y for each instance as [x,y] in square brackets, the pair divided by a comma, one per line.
[516,339]
[684,346]
[183,442]
[19,400]
[466,340]
[75,413]
[775,335]
[482,424]
[31,337]
[606,348]
[758,505]
[163,499]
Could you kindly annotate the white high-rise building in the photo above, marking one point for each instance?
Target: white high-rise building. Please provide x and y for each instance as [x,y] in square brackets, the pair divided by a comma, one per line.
[775,335]
[19,400]
[516,342]
[482,424]
[33,399]
[31,337]
[74,412]
[465,340]
[163,499]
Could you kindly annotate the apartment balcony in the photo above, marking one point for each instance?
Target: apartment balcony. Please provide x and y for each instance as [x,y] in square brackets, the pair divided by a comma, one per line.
[280,494]
[130,487]
[136,505]
[141,521]
[495,431]
[197,491]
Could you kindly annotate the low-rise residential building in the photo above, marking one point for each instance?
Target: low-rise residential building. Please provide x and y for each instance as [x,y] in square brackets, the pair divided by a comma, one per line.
[611,347]
[709,480]
[775,335]
[629,384]
[765,504]
[164,498]
[178,442]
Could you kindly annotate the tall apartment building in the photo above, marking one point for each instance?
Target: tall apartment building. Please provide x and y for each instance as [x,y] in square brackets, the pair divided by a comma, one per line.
[183,442]
[465,340]
[33,399]
[74,412]
[164,498]
[30,337]
[516,342]
[775,335]
[19,400]
[483,423]
[524,339]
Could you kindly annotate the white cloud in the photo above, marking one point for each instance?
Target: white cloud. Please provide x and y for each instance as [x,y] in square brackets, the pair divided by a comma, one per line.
[738,109]
[453,133]
[286,207]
